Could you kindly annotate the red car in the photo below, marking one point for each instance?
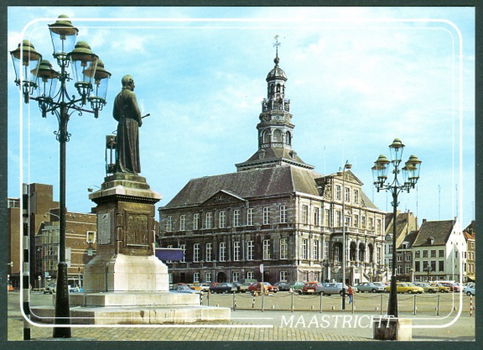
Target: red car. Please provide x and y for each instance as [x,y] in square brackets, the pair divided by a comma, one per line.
[452,286]
[312,288]
[256,286]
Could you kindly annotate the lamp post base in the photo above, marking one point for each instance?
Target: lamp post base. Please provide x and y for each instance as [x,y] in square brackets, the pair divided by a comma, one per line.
[391,328]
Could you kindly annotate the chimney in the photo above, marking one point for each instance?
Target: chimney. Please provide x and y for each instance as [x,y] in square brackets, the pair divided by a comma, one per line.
[424,220]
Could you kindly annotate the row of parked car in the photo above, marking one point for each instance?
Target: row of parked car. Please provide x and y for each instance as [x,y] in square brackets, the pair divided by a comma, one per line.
[329,288]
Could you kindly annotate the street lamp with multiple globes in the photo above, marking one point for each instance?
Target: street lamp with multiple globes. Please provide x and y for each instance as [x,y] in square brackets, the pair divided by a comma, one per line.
[410,176]
[347,166]
[38,81]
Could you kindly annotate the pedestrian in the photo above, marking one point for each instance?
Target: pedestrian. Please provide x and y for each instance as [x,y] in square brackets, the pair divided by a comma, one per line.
[350,293]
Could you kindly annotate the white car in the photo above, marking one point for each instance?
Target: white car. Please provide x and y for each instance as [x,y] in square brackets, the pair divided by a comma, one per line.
[469,289]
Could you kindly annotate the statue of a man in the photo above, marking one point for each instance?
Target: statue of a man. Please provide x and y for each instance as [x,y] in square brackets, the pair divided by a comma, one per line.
[126,112]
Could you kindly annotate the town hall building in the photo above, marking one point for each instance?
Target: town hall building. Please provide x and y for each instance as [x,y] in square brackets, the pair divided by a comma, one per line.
[275,211]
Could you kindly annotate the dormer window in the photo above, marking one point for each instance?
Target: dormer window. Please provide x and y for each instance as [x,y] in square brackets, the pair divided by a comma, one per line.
[430,240]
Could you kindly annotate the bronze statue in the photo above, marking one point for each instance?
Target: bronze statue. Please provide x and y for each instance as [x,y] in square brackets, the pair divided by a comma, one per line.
[126,112]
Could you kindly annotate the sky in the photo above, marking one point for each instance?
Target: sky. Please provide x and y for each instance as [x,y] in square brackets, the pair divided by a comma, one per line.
[357,79]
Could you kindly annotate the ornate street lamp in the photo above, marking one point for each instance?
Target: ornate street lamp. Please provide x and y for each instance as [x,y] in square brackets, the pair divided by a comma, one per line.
[38,81]
[410,173]
[347,166]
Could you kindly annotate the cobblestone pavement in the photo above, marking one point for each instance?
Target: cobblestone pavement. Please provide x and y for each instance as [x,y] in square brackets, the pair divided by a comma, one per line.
[280,329]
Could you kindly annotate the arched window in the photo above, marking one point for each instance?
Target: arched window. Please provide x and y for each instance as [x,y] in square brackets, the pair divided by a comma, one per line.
[288,138]
[278,87]
[277,136]
[362,252]
[266,136]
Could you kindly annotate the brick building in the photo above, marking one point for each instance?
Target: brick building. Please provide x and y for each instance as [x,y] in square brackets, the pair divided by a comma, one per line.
[276,211]
[470,233]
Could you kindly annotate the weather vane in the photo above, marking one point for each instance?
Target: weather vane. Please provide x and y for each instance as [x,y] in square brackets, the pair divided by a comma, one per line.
[276,44]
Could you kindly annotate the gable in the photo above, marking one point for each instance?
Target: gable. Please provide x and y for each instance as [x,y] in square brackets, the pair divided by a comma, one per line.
[223,197]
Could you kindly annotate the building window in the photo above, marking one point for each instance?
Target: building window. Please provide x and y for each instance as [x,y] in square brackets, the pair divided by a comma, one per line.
[236,251]
[250,275]
[283,276]
[363,221]
[316,249]
[316,217]
[399,270]
[379,226]
[408,256]
[222,251]
[249,250]
[169,224]
[283,248]
[283,214]
[356,220]
[196,252]
[266,249]
[356,196]
[347,220]
[338,218]
[347,194]
[328,219]
[236,218]
[182,222]
[183,248]
[207,276]
[338,192]
[209,220]
[433,253]
[371,223]
[399,257]
[196,221]
[441,253]
[305,249]
[425,253]
[433,265]
[266,216]
[236,276]
[196,277]
[208,251]
[305,214]
[407,269]
[249,216]
[441,266]
[221,219]
[417,266]
[91,237]
[417,254]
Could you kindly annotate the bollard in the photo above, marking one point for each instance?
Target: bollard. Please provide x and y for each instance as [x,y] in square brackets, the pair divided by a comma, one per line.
[320,302]
[201,298]
[414,304]
[234,301]
[253,301]
[437,306]
[471,305]
[333,308]
[291,302]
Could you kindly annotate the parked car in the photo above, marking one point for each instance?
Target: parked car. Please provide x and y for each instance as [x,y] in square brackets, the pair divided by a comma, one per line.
[469,289]
[453,287]
[406,287]
[441,288]
[257,286]
[332,288]
[312,288]
[183,288]
[370,287]
[74,289]
[243,284]
[205,286]
[282,286]
[428,288]
[223,287]
[297,287]
[195,286]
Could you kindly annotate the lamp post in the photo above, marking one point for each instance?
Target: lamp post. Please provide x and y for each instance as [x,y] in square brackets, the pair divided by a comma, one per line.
[410,174]
[38,80]
[347,166]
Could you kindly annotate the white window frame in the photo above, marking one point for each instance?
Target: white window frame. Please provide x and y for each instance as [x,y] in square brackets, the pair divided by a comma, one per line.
[338,192]
[208,251]
[250,250]
[169,224]
[266,249]
[250,275]
[305,214]
[196,221]
[236,250]
[221,219]
[283,214]
[93,234]
[236,217]
[196,277]
[182,222]
[207,276]
[316,250]
[305,248]
[283,276]
[249,216]
[222,251]
[183,247]
[347,195]
[266,215]
[283,248]
[196,252]
[235,276]
[356,196]
[209,220]
[316,216]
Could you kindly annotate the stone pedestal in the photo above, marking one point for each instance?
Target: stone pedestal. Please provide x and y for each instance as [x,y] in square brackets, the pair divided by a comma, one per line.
[125,260]
[125,283]
[387,328]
